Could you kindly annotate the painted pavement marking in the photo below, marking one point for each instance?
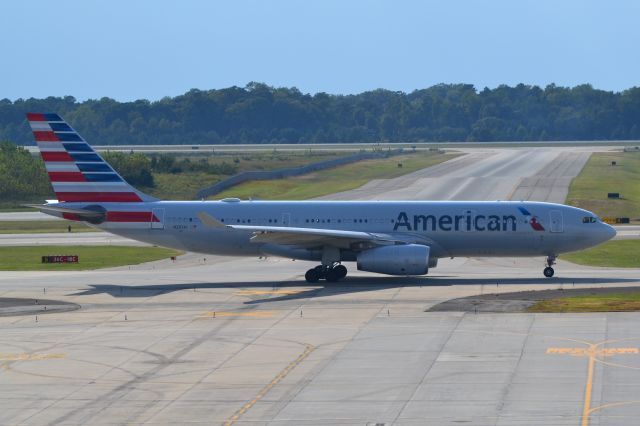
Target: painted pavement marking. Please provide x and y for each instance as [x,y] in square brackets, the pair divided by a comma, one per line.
[593,351]
[8,358]
[221,314]
[293,364]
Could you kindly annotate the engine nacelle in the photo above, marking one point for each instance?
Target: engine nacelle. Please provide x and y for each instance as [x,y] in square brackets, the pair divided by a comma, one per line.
[409,259]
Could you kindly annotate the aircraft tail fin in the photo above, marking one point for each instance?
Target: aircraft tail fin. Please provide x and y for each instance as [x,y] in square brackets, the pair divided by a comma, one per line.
[76,171]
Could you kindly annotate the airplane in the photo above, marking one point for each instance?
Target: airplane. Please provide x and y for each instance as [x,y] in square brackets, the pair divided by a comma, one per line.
[387,237]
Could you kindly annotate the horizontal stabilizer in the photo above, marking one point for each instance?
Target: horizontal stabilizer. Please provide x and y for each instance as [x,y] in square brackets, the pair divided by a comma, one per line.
[93,216]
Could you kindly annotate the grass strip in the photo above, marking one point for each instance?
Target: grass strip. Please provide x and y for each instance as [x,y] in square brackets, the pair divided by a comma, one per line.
[615,302]
[598,178]
[28,258]
[615,254]
[337,179]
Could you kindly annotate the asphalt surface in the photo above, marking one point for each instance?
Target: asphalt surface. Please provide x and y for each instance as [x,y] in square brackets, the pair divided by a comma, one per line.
[536,174]
[348,147]
[199,342]
[65,238]
[20,216]
[15,306]
[247,342]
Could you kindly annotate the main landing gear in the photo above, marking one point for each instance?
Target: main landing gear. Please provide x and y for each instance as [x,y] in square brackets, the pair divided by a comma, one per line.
[548,271]
[331,273]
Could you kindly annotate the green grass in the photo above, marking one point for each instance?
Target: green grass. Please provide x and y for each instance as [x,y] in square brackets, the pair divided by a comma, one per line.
[12,207]
[90,257]
[181,186]
[41,226]
[186,184]
[276,160]
[337,179]
[589,189]
[614,302]
[616,254]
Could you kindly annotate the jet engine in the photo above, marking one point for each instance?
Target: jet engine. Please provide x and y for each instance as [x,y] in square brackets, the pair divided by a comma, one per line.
[408,259]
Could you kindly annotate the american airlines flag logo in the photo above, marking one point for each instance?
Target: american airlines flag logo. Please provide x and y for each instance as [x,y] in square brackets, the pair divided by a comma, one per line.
[76,171]
[533,220]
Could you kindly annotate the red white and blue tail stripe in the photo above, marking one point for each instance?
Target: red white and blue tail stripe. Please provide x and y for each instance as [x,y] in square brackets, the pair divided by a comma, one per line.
[76,171]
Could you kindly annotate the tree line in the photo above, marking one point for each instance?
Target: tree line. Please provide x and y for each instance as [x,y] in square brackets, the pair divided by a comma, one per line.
[23,177]
[258,113]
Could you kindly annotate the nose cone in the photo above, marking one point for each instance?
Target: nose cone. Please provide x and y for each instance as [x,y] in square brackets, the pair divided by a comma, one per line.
[607,232]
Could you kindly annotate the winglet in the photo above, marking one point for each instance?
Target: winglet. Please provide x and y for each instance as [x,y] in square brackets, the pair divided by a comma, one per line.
[210,221]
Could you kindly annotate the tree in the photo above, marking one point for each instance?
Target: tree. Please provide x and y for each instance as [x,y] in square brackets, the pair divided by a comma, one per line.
[135,168]
[258,113]
[22,176]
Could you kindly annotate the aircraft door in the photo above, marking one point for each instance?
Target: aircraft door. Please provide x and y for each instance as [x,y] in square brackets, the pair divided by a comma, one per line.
[555,220]
[157,218]
[286,219]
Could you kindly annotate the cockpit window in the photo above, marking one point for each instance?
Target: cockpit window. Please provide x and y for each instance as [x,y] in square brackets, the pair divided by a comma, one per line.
[589,219]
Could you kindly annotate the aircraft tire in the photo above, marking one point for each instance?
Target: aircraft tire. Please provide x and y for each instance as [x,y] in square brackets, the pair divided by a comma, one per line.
[332,275]
[321,271]
[312,276]
[548,272]
[341,270]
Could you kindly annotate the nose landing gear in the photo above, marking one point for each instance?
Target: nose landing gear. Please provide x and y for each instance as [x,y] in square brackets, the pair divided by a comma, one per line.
[331,273]
[548,271]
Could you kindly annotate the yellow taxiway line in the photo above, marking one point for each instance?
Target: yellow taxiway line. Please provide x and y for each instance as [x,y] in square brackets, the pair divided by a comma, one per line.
[250,314]
[307,350]
[594,352]
[29,357]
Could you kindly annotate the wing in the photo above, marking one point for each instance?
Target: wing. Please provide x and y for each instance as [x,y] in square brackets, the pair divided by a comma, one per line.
[308,237]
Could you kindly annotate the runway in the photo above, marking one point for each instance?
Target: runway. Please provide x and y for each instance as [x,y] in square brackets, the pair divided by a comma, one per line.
[536,174]
[248,342]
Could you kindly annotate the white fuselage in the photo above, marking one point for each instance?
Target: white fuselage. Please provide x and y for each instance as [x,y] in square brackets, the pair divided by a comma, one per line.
[451,229]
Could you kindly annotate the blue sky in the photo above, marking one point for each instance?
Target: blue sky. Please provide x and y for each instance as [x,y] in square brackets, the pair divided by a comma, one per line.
[149,49]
